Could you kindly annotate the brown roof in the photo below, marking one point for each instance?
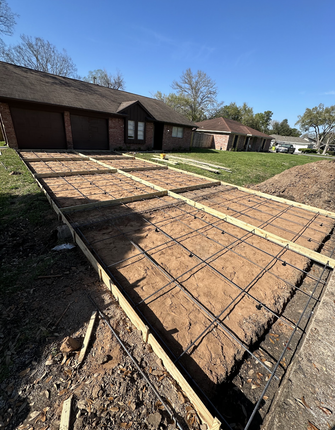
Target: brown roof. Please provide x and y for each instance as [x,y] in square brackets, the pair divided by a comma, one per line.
[22,84]
[229,126]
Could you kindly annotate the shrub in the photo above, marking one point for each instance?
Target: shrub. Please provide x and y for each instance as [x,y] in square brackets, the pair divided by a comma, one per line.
[308,150]
[330,153]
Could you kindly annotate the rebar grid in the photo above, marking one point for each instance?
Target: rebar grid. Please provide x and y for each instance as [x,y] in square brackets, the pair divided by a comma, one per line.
[287,208]
[60,166]
[243,195]
[169,179]
[201,262]
[114,181]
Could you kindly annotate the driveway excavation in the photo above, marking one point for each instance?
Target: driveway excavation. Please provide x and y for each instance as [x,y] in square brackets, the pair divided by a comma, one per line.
[208,286]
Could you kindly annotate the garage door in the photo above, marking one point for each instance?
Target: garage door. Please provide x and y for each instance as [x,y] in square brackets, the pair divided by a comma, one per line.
[89,133]
[38,129]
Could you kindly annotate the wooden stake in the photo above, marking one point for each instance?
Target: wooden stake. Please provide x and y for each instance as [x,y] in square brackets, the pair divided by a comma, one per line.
[66,414]
[87,337]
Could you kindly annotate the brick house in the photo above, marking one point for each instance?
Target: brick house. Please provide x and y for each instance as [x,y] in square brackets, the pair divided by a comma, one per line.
[43,111]
[229,135]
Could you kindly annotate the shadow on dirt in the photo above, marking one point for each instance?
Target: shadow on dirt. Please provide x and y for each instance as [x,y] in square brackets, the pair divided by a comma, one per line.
[44,298]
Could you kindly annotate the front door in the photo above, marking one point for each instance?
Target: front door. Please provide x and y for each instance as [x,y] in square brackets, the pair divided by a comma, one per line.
[158,135]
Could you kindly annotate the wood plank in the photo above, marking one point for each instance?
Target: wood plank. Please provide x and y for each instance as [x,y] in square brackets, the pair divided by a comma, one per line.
[141,181]
[38,159]
[66,414]
[174,163]
[282,200]
[73,173]
[87,337]
[195,187]
[205,415]
[315,256]
[140,169]
[114,202]
[191,160]
[209,169]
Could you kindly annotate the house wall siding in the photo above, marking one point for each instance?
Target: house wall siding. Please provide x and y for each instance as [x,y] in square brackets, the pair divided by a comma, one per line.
[171,143]
[6,119]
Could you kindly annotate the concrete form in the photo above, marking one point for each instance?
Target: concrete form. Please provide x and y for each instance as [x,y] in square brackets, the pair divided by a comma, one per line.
[201,268]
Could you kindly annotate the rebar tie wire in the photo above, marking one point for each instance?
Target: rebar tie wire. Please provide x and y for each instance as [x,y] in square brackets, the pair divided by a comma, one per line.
[167,408]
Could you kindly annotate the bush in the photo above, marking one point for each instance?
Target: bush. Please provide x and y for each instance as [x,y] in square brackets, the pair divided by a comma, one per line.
[330,153]
[308,150]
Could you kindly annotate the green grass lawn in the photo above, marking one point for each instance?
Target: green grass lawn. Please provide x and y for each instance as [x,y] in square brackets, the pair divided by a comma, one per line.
[247,167]
[24,210]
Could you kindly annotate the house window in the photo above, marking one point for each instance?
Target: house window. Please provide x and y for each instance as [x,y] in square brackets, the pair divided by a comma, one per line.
[177,132]
[131,129]
[140,130]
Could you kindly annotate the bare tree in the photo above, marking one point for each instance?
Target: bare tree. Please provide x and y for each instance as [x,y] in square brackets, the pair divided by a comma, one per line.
[105,79]
[200,90]
[39,54]
[7,19]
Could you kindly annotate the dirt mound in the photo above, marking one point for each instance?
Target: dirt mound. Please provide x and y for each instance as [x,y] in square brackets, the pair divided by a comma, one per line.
[312,184]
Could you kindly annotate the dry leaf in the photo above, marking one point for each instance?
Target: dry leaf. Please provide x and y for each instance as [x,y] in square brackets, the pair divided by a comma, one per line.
[311,426]
[325,411]
[304,402]
[126,425]
[62,392]
[265,397]
[255,386]
[158,405]
[114,409]
[271,340]
[49,379]
[249,380]
[268,364]
[24,372]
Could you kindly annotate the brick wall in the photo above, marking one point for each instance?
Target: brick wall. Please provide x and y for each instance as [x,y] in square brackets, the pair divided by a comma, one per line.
[149,135]
[172,143]
[68,130]
[221,141]
[6,119]
[116,133]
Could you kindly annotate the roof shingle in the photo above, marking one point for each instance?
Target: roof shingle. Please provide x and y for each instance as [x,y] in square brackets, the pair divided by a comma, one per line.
[229,126]
[22,84]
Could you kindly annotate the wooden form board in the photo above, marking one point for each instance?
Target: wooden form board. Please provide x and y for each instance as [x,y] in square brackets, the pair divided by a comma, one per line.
[73,173]
[315,256]
[212,422]
[281,200]
[46,159]
[114,202]
[258,193]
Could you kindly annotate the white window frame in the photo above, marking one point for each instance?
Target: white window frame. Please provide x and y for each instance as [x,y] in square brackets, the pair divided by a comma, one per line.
[131,129]
[177,132]
[140,130]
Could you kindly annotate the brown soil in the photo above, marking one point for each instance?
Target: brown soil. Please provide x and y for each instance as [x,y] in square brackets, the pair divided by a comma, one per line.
[312,184]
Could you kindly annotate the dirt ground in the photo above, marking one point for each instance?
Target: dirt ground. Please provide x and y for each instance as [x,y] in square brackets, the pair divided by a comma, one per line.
[312,184]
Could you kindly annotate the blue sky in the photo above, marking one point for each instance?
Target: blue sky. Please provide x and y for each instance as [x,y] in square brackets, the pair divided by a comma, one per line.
[274,55]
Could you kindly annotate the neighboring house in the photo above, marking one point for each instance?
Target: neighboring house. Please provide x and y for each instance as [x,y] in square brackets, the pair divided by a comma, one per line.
[43,111]
[229,135]
[297,142]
